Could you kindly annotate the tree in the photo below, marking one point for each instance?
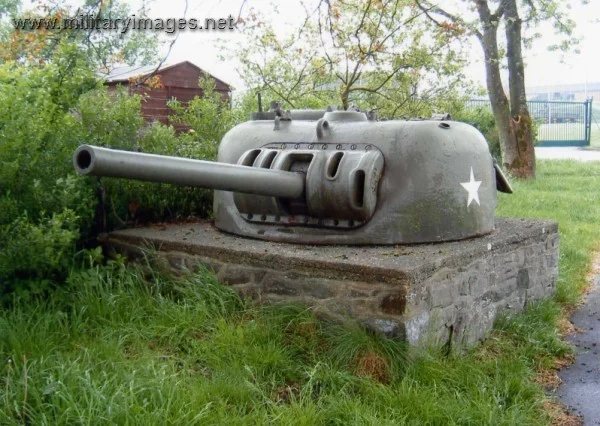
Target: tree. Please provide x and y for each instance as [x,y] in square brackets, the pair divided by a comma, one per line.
[34,34]
[209,117]
[512,116]
[374,54]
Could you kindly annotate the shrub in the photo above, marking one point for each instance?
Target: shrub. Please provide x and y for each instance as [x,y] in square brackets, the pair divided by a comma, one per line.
[37,251]
[209,117]
[483,119]
[47,212]
[43,206]
[112,119]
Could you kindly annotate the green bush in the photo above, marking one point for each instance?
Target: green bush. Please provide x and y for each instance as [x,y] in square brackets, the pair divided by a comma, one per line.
[37,251]
[483,119]
[44,208]
[112,119]
[47,212]
[209,118]
[109,118]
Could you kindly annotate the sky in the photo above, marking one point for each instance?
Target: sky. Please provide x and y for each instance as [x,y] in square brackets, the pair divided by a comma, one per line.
[542,67]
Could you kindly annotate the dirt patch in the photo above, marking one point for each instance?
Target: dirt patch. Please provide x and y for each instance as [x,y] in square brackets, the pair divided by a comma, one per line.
[287,393]
[560,415]
[373,366]
[565,326]
[548,377]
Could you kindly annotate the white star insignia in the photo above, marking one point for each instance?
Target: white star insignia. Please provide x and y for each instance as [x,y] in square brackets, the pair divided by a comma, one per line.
[472,187]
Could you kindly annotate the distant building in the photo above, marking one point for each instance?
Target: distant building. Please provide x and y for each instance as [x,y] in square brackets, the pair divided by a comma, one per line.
[179,81]
[564,92]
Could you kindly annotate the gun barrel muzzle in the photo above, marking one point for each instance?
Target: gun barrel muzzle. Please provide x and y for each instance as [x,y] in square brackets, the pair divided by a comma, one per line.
[97,161]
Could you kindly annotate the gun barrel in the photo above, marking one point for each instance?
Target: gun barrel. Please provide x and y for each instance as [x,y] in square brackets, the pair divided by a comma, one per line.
[97,161]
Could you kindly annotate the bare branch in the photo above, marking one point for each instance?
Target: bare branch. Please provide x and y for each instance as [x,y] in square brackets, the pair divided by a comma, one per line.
[428,8]
[361,24]
[163,60]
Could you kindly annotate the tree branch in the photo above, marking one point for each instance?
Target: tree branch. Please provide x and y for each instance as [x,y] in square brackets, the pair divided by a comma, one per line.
[164,58]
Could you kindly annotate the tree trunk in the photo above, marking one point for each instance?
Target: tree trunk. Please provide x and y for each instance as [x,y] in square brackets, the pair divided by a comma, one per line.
[512,120]
[498,99]
[345,98]
[519,156]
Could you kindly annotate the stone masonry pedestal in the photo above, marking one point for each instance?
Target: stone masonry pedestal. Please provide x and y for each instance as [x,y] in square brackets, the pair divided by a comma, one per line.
[427,293]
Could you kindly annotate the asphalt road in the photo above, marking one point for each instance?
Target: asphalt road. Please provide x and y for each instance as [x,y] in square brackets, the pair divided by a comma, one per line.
[580,388]
[566,153]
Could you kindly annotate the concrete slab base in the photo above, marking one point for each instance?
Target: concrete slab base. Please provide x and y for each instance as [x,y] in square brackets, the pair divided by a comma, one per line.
[426,294]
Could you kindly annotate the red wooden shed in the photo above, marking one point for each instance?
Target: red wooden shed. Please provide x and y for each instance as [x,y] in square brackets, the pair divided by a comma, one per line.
[179,81]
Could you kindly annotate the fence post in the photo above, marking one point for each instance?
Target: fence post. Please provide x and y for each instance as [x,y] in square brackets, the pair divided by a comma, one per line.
[588,120]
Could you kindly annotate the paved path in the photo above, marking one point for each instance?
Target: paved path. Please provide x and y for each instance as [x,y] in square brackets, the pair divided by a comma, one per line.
[566,153]
[580,388]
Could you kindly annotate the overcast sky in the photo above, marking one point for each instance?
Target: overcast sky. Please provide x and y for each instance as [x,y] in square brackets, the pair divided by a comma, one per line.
[543,67]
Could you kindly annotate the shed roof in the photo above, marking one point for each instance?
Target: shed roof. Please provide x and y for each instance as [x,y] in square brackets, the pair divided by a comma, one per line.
[125,73]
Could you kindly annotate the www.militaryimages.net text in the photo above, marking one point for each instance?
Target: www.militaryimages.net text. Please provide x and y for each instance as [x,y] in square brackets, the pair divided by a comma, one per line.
[123,25]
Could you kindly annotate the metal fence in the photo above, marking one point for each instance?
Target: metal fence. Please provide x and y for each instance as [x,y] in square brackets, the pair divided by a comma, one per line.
[559,123]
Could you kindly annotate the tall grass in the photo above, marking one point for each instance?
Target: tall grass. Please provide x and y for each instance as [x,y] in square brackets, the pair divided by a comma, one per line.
[125,345]
[568,192]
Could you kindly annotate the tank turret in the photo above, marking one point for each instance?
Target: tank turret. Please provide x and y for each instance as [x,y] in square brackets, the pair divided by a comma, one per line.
[333,177]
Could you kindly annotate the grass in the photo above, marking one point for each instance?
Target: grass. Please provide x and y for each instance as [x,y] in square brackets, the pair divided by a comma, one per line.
[565,191]
[124,345]
[595,136]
